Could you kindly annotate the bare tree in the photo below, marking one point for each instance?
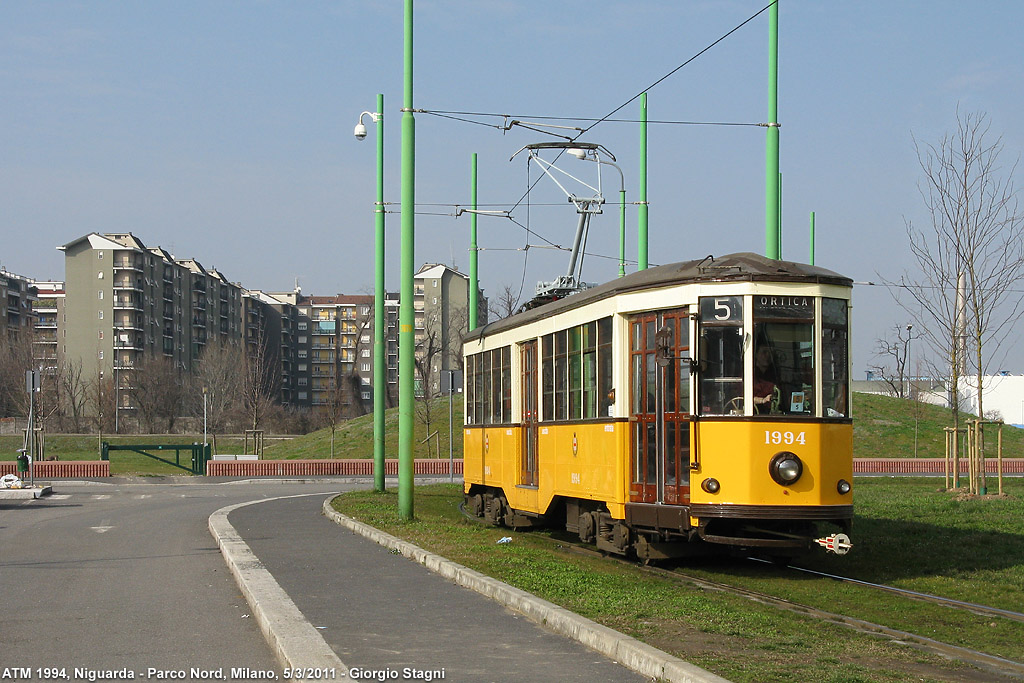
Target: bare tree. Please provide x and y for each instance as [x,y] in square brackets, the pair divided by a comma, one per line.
[350,382]
[428,349]
[221,372]
[971,256]
[261,380]
[15,360]
[156,387]
[892,356]
[506,302]
[332,411]
[73,394]
[102,402]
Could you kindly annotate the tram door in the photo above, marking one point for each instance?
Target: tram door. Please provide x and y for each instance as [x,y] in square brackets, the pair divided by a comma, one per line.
[528,356]
[660,407]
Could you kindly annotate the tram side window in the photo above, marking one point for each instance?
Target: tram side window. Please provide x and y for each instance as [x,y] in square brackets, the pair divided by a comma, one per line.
[506,384]
[834,357]
[576,371]
[471,389]
[605,394]
[547,365]
[783,355]
[497,375]
[483,383]
[721,354]
[489,387]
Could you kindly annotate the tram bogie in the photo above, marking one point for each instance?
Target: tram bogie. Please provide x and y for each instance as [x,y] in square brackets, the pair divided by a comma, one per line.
[676,410]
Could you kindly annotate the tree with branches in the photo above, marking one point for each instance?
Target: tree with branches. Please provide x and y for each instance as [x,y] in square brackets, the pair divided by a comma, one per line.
[892,355]
[970,256]
[506,303]
[261,380]
[157,389]
[221,372]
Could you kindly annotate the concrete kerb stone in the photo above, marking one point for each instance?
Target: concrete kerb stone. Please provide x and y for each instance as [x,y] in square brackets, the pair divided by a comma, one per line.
[628,651]
[292,639]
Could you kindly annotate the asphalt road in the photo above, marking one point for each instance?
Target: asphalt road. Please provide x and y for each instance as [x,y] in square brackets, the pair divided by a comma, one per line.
[125,574]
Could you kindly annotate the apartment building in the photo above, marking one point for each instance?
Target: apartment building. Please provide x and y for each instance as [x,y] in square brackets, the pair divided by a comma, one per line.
[274,326]
[47,351]
[20,295]
[340,335]
[441,307]
[125,302]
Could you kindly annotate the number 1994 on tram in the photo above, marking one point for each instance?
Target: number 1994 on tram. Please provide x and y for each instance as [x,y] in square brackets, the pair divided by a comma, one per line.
[684,408]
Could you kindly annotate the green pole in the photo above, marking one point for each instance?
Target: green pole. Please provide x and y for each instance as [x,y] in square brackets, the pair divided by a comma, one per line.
[474,282]
[812,238]
[778,231]
[380,379]
[642,227]
[771,192]
[406,338]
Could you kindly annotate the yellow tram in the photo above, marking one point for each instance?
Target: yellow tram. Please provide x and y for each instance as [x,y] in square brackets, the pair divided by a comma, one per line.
[682,408]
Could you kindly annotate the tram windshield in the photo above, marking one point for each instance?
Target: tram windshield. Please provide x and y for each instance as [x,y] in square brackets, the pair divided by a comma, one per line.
[783,355]
[780,377]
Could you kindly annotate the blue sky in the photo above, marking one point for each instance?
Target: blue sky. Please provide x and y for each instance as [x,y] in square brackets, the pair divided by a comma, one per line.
[223,130]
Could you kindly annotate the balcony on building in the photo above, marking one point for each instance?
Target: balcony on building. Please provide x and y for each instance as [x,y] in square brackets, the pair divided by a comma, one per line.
[122,263]
[127,324]
[128,302]
[128,342]
[129,283]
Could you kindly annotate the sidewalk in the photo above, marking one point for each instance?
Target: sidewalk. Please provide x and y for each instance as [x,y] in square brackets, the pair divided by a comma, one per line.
[328,597]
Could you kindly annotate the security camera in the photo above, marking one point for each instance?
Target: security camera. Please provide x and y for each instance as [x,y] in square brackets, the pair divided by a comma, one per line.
[360,131]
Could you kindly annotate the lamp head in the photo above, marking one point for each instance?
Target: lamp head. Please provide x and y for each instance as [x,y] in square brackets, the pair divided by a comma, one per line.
[577,152]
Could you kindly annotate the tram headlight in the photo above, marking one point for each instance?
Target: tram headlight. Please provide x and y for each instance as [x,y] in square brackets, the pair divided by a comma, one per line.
[843,487]
[785,468]
[710,485]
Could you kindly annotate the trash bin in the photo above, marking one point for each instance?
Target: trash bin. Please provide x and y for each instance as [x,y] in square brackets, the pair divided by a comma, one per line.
[23,463]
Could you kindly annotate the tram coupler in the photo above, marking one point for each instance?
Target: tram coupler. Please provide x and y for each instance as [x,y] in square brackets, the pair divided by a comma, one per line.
[839,544]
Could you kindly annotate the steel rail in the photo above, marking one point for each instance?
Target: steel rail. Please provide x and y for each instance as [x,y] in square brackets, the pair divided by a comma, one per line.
[981,610]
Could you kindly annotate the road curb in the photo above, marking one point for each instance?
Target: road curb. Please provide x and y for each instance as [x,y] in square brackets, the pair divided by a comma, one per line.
[628,651]
[293,640]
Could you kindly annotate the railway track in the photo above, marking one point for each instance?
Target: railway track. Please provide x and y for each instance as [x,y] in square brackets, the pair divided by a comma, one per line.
[983,660]
[974,608]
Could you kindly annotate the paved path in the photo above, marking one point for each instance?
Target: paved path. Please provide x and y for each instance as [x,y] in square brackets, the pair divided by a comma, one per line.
[382,612]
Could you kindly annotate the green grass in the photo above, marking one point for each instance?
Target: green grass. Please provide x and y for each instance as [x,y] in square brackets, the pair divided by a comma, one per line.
[354,438]
[885,427]
[734,637]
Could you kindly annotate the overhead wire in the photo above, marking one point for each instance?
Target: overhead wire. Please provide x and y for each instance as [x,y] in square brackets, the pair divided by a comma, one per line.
[454,115]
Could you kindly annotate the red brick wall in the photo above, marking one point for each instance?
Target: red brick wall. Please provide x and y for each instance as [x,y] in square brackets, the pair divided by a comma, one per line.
[56,469]
[929,465]
[314,468]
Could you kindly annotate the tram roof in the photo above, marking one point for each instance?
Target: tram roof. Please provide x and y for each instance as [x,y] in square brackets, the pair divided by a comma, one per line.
[740,267]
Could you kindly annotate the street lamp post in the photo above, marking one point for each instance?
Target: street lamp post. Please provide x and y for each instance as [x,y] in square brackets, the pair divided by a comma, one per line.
[591,155]
[910,386]
[205,432]
[379,365]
